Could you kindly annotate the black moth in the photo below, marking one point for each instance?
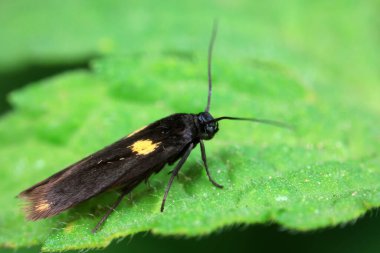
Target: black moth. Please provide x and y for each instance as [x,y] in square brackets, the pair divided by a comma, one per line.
[129,161]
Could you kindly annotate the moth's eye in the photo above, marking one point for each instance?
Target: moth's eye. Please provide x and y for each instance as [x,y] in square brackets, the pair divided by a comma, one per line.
[210,128]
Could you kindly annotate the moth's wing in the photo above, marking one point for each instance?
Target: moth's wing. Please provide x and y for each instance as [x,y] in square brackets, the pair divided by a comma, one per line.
[124,163]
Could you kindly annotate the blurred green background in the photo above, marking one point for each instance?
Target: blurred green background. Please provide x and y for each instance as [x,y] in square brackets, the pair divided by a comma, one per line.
[327,41]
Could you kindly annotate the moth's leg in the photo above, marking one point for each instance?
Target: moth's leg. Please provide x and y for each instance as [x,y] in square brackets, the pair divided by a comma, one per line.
[110,210]
[175,172]
[203,151]
[171,172]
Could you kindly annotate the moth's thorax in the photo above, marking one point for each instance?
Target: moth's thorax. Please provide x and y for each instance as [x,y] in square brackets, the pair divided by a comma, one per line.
[206,127]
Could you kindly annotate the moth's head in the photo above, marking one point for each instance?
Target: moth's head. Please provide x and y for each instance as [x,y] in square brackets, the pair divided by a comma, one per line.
[207,127]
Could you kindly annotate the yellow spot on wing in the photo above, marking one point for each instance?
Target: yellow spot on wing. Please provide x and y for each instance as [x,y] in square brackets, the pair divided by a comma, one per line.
[135,132]
[144,147]
[42,206]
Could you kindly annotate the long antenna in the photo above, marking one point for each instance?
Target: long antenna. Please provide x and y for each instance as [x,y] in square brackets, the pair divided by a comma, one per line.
[263,121]
[210,47]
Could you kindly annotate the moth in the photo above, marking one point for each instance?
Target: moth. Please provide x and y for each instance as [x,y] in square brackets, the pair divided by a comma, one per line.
[126,163]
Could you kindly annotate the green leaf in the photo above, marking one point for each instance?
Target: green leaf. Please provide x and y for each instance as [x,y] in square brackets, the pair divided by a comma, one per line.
[312,64]
[323,174]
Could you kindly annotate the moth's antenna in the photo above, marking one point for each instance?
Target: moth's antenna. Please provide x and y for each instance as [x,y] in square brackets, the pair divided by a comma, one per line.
[210,47]
[263,121]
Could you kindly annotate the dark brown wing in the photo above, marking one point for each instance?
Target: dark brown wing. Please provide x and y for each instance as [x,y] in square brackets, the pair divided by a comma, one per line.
[124,163]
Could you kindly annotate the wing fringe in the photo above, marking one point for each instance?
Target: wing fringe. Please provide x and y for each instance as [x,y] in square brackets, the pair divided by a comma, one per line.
[38,206]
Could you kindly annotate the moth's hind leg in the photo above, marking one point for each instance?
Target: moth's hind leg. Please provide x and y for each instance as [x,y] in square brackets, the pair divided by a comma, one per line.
[124,192]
